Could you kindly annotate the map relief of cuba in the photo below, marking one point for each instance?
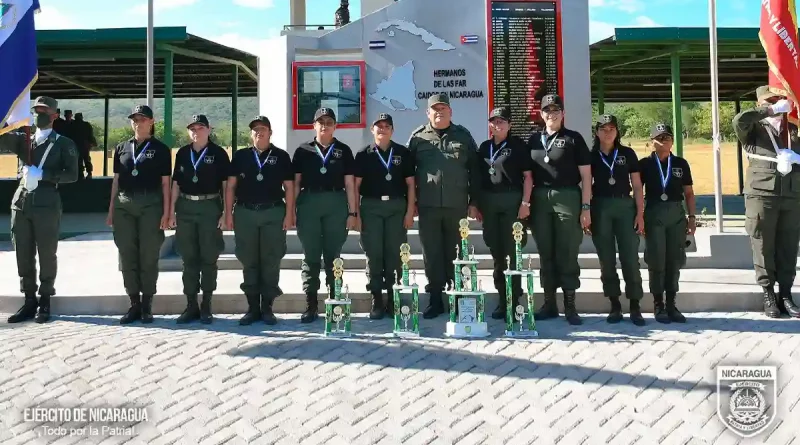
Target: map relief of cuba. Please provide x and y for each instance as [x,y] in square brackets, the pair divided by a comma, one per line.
[398,91]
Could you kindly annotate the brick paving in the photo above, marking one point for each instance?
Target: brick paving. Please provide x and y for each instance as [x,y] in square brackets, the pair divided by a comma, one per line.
[597,383]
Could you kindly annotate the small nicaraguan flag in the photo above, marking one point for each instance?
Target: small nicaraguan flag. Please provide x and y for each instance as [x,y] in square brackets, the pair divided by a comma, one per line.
[377,44]
[469,38]
[19,61]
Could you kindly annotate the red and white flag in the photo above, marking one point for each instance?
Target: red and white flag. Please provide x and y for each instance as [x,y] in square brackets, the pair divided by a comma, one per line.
[778,35]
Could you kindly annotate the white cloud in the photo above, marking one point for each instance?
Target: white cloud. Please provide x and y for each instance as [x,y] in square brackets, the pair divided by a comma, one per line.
[162,5]
[644,22]
[255,46]
[50,17]
[258,4]
[596,3]
[600,30]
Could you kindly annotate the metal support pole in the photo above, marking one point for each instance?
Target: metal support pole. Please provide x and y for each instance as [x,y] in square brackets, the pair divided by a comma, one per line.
[150,54]
[168,90]
[677,119]
[739,160]
[712,14]
[235,110]
[105,136]
[601,102]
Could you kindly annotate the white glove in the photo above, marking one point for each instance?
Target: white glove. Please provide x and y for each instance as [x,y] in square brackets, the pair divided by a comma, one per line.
[35,172]
[782,106]
[786,158]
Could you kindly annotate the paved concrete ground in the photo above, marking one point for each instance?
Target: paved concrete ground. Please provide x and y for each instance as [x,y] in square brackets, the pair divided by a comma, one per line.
[288,385]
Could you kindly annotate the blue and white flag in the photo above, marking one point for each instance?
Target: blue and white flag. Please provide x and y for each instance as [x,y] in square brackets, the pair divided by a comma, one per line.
[18,60]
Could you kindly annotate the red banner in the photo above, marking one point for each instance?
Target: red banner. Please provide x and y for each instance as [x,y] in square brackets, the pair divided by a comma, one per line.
[778,35]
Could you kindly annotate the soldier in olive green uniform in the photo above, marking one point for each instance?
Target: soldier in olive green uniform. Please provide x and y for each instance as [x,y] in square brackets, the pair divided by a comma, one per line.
[384,175]
[261,183]
[617,219]
[326,204]
[667,183]
[49,160]
[772,200]
[139,211]
[199,181]
[506,184]
[448,185]
[562,193]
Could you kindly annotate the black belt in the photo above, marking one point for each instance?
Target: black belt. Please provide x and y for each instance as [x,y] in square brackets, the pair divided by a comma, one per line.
[613,195]
[504,188]
[140,192]
[322,189]
[259,205]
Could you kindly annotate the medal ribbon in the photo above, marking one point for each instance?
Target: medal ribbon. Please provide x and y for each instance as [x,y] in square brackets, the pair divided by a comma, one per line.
[664,178]
[195,164]
[258,162]
[388,162]
[547,147]
[493,154]
[613,161]
[326,156]
[137,159]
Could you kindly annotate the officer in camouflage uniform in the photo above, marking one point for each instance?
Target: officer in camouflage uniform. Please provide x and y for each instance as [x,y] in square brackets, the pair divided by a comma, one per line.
[448,185]
[772,201]
[50,160]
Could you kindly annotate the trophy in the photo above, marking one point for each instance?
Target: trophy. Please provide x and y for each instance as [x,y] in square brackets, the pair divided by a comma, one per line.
[520,310]
[337,309]
[406,312]
[467,299]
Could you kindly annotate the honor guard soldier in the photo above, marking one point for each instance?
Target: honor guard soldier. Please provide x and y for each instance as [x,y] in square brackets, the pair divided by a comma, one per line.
[667,182]
[384,175]
[199,180]
[562,193]
[448,185]
[506,185]
[772,200]
[261,183]
[49,160]
[617,219]
[139,211]
[326,204]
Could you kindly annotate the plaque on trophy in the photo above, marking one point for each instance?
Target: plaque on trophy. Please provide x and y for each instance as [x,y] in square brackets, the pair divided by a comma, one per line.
[406,299]
[467,299]
[520,322]
[338,308]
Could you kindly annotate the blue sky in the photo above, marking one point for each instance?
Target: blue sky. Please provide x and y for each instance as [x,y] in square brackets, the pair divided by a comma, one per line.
[247,23]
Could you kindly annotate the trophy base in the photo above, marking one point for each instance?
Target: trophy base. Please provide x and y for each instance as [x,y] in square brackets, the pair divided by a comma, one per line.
[406,289]
[465,262]
[467,330]
[522,334]
[406,334]
[336,302]
[339,334]
[523,273]
[466,293]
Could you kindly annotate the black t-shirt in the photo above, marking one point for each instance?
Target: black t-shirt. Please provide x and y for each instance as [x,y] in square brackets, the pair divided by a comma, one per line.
[679,175]
[511,159]
[625,163]
[370,165]
[277,168]
[565,150]
[213,167]
[153,160]
[339,163]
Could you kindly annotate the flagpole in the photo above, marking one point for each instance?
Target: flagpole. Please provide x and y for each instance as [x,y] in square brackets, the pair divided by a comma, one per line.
[712,13]
[150,54]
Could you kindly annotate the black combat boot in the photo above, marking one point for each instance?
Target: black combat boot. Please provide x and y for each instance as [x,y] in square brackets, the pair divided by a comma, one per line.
[636,313]
[771,303]
[192,311]
[787,303]
[615,314]
[570,312]
[44,309]
[377,306]
[253,311]
[312,308]
[266,311]
[147,308]
[549,308]
[27,311]
[672,311]
[435,306]
[135,311]
[390,302]
[659,310]
[205,309]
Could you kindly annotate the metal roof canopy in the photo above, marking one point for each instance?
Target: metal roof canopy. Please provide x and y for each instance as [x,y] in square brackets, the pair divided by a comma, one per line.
[636,64]
[92,63]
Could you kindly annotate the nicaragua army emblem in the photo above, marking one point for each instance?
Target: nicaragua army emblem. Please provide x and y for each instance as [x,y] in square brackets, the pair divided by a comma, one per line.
[746,398]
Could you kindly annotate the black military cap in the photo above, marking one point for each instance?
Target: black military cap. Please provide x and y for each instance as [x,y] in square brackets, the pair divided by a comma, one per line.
[199,119]
[438,99]
[501,112]
[260,120]
[142,110]
[384,117]
[552,100]
[607,119]
[660,129]
[45,101]
[324,112]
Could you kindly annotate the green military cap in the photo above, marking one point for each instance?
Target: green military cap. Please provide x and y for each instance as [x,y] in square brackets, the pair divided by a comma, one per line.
[44,101]
[660,129]
[199,119]
[438,99]
[765,92]
[607,119]
[501,112]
